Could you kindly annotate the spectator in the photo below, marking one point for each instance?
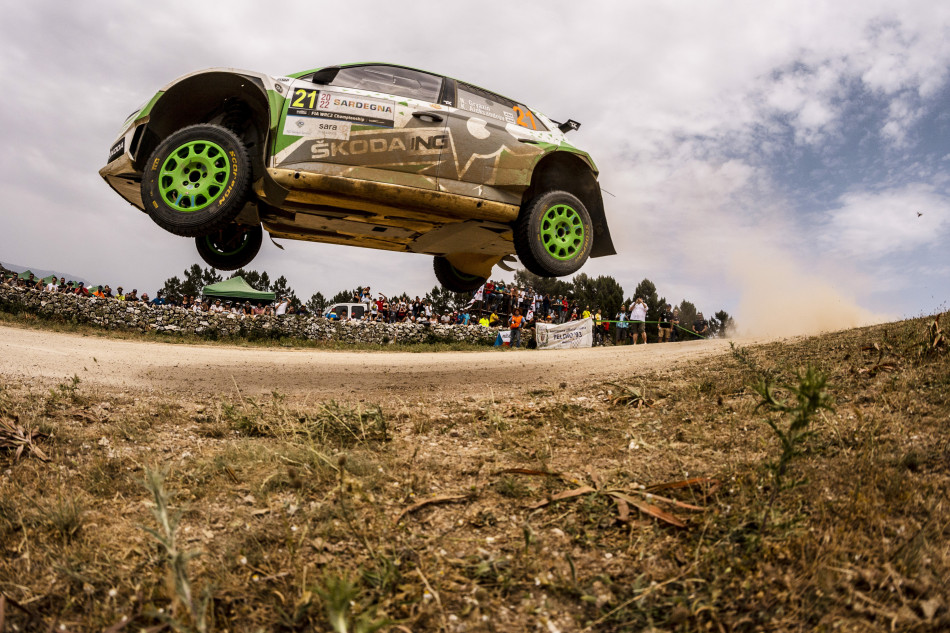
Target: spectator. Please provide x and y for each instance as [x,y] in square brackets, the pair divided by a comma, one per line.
[159,300]
[51,286]
[119,294]
[514,324]
[676,325]
[621,331]
[666,323]
[282,304]
[638,317]
[132,296]
[701,325]
[598,328]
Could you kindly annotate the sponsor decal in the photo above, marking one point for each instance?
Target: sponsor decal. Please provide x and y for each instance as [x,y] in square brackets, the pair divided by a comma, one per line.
[317,128]
[341,107]
[117,150]
[416,144]
[485,110]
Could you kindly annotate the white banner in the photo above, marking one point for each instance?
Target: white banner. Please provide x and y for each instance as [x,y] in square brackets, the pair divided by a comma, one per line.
[565,335]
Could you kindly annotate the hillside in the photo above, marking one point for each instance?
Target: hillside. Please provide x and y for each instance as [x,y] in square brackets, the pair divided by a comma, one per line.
[656,495]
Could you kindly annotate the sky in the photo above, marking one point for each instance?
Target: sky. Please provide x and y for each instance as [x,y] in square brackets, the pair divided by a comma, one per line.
[787,161]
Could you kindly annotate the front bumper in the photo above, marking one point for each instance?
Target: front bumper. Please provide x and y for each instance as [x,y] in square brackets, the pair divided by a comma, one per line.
[124,179]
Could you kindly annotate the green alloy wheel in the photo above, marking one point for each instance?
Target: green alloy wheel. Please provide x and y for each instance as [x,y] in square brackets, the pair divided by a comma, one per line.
[562,232]
[454,279]
[196,181]
[553,234]
[230,248]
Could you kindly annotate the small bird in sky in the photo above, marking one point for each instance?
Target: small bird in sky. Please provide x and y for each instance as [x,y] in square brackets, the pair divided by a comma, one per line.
[919,214]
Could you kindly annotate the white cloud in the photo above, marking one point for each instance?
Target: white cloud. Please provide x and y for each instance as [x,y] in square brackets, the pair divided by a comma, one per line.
[870,225]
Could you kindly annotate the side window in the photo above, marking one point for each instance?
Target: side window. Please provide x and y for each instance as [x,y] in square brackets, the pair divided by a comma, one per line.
[390,80]
[341,311]
[357,312]
[488,104]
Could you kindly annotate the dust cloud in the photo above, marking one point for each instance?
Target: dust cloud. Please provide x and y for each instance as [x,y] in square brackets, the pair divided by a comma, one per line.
[778,298]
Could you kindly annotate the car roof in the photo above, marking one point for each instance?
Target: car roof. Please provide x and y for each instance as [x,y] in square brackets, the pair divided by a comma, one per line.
[420,70]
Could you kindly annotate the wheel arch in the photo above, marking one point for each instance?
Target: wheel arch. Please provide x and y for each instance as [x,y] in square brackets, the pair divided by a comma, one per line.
[236,101]
[569,172]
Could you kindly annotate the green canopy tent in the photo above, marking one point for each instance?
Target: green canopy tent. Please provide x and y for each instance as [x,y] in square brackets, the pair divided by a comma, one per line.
[26,274]
[46,280]
[236,288]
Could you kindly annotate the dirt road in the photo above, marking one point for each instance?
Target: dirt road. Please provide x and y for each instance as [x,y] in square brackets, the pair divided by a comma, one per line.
[215,369]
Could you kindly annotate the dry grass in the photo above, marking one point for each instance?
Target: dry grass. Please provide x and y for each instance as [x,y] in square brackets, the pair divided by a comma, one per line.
[540,511]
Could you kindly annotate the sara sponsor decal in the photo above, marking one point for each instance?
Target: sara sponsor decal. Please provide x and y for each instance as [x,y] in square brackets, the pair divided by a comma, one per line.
[317,128]
[341,107]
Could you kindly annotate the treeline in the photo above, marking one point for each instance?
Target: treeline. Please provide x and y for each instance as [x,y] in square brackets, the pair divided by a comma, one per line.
[195,278]
[603,292]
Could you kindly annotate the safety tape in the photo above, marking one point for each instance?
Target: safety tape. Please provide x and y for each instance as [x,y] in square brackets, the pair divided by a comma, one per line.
[656,322]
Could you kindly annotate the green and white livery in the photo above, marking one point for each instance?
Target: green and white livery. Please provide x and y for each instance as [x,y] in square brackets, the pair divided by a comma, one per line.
[372,155]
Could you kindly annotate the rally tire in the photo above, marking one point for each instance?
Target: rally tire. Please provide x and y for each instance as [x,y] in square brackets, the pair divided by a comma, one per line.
[197,180]
[553,234]
[453,279]
[230,248]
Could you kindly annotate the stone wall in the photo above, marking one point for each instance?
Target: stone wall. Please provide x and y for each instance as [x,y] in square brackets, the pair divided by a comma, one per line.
[119,315]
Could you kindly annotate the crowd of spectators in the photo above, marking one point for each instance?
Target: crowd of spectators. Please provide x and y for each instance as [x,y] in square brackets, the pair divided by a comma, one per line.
[496,304]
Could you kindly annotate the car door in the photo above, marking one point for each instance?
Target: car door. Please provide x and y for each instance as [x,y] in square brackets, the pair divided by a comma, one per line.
[492,146]
[370,122]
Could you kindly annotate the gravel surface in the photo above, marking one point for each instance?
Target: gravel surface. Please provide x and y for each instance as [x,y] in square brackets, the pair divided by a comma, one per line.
[214,369]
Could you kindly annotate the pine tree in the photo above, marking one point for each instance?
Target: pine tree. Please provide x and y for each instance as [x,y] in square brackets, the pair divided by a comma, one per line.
[172,290]
[725,323]
[317,303]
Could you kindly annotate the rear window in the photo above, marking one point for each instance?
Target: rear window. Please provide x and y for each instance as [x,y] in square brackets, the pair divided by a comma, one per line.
[487,104]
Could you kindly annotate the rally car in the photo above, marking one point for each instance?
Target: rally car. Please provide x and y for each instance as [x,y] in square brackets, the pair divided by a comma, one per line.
[372,155]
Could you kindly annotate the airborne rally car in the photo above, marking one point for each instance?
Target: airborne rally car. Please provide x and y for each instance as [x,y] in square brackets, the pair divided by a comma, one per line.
[371,155]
